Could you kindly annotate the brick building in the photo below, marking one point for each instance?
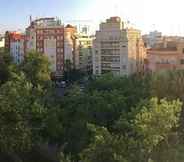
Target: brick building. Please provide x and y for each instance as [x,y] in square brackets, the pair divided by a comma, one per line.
[15,43]
[46,35]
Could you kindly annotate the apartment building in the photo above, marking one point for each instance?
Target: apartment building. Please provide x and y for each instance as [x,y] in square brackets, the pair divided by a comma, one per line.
[117,49]
[59,43]
[7,40]
[71,44]
[168,55]
[152,39]
[15,44]
[85,53]
[46,35]
[2,41]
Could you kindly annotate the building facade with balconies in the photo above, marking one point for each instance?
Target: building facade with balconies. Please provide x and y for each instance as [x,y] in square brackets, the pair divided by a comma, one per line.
[15,44]
[117,49]
[46,35]
[168,56]
[85,53]
[71,44]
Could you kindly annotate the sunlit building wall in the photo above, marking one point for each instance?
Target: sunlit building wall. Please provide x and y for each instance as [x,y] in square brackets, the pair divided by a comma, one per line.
[168,56]
[2,41]
[71,46]
[117,49]
[85,52]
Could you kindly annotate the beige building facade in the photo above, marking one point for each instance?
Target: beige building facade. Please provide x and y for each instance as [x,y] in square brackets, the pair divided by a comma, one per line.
[117,49]
[167,56]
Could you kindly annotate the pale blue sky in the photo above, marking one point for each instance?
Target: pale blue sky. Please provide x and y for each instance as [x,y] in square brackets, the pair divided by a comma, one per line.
[163,15]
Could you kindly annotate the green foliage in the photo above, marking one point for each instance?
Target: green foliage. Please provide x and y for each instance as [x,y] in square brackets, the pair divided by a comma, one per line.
[53,128]
[71,74]
[20,115]
[26,117]
[168,84]
[105,147]
[133,88]
[36,68]
[5,67]
[115,119]
[156,121]
[63,158]
[171,151]
[100,108]
[108,102]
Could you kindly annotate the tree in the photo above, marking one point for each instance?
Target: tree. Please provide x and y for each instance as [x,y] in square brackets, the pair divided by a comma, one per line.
[5,66]
[133,88]
[71,74]
[79,108]
[102,104]
[64,158]
[168,84]
[155,123]
[4,73]
[105,147]
[21,115]
[36,68]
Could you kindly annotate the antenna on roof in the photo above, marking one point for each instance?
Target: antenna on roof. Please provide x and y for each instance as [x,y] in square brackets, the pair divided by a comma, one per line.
[30,19]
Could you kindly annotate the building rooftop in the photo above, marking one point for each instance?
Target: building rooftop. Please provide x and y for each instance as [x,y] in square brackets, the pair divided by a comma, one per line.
[16,35]
[69,26]
[163,49]
[114,19]
[46,21]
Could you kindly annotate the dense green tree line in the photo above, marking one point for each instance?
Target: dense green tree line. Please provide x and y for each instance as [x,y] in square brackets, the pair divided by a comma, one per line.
[114,119]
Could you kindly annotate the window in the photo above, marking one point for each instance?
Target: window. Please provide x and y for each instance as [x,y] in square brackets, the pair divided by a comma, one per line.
[182,61]
[110,37]
[60,50]
[124,67]
[59,43]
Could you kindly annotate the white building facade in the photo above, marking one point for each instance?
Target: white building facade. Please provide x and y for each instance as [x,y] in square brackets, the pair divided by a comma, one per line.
[17,51]
[2,42]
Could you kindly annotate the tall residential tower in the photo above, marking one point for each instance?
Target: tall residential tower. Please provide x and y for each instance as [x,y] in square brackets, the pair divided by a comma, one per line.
[117,49]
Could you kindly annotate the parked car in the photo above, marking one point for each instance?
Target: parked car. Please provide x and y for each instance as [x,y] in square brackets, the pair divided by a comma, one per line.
[61,84]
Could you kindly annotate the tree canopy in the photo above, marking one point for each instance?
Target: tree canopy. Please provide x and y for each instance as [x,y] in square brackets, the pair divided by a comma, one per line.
[136,118]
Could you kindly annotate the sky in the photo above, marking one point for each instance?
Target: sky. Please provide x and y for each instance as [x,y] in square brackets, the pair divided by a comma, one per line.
[147,15]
